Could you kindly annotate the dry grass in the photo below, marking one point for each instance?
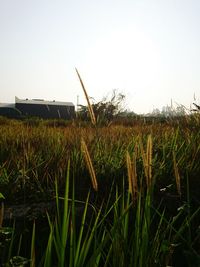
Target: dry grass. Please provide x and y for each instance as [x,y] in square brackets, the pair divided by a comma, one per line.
[89,165]
[91,112]
[147,159]
[132,176]
[177,176]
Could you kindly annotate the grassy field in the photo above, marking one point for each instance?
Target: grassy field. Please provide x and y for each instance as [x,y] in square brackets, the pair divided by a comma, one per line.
[125,195]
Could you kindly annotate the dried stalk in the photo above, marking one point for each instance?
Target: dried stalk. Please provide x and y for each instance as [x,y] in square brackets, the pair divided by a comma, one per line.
[177,176]
[91,111]
[132,176]
[89,165]
[147,160]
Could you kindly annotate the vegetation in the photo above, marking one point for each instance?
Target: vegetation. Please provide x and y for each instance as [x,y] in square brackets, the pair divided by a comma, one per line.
[123,195]
[105,110]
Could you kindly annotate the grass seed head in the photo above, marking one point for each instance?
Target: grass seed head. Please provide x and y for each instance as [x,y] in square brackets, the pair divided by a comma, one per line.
[132,175]
[91,112]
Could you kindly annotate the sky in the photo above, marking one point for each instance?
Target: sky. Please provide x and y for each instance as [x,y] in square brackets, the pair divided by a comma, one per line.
[149,50]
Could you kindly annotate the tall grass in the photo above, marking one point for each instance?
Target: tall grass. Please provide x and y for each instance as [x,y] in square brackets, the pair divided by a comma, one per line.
[89,165]
[124,233]
[144,210]
[91,112]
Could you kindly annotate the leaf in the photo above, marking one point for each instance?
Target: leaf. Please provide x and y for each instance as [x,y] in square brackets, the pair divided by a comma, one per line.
[1,196]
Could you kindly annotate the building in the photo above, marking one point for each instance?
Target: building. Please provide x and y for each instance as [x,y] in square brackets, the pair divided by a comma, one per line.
[9,110]
[38,108]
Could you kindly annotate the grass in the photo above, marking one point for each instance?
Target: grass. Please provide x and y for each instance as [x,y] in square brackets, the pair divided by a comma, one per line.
[91,112]
[124,195]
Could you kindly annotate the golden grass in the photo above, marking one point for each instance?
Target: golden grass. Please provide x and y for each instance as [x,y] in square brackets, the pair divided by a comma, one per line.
[91,112]
[89,164]
[147,159]
[132,176]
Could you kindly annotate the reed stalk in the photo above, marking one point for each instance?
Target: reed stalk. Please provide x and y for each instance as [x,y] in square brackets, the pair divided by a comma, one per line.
[89,165]
[91,111]
[132,176]
[33,259]
[147,160]
[177,176]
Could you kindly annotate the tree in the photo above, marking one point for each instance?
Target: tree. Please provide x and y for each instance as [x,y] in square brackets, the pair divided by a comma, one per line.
[106,109]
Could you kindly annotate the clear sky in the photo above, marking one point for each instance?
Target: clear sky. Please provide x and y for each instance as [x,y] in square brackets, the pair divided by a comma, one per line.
[147,49]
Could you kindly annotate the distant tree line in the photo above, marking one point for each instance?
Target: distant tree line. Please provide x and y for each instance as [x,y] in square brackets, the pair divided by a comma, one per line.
[109,109]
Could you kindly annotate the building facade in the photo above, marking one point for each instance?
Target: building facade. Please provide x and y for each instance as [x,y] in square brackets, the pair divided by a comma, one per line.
[38,108]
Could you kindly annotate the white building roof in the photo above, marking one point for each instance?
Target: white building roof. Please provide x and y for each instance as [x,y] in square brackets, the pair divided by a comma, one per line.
[42,102]
[7,105]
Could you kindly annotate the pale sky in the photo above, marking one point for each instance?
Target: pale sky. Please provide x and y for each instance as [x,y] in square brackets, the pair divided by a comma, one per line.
[147,49]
